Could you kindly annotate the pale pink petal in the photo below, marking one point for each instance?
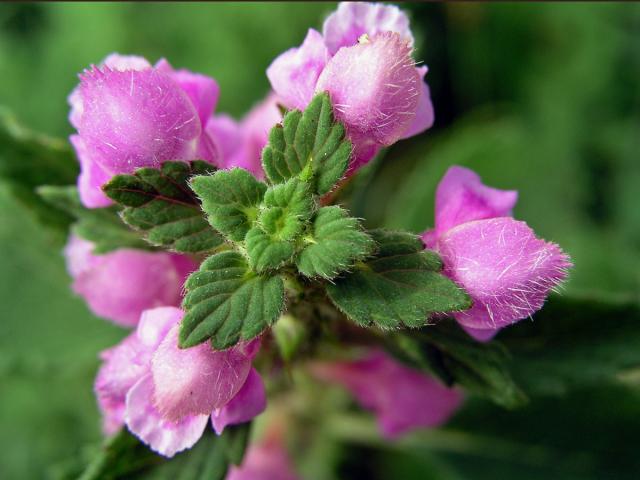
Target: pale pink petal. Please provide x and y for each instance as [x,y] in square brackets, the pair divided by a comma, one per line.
[506,270]
[163,436]
[481,335]
[374,87]
[154,325]
[123,366]
[196,380]
[79,256]
[424,113]
[293,74]
[351,20]
[114,61]
[92,177]
[264,461]
[462,197]
[120,285]
[202,90]
[256,126]
[248,403]
[403,399]
[136,118]
[227,136]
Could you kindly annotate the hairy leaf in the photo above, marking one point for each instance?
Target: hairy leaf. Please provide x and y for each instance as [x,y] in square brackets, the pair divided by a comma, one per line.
[231,199]
[160,203]
[308,143]
[265,252]
[400,286]
[102,226]
[334,243]
[227,302]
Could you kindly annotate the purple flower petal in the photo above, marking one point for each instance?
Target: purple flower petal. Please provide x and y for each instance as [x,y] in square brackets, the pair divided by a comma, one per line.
[163,436]
[134,118]
[351,20]
[462,197]
[424,113]
[123,366]
[293,74]
[202,90]
[265,461]
[120,285]
[403,399]
[481,335]
[248,403]
[375,87]
[92,177]
[227,136]
[196,380]
[503,266]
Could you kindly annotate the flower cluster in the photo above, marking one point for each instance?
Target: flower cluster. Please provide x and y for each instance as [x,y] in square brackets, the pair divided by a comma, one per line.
[130,114]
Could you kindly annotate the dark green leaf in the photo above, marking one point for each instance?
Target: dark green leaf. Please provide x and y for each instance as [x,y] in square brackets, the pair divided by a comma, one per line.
[334,243]
[102,226]
[235,440]
[28,160]
[125,457]
[227,302]
[160,203]
[400,286]
[447,351]
[306,143]
[231,199]
[573,343]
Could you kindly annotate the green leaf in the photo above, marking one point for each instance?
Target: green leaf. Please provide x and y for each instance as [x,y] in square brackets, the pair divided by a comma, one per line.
[285,211]
[124,456]
[160,203]
[334,243]
[265,252]
[576,343]
[28,160]
[308,143]
[235,440]
[400,286]
[226,302]
[447,351]
[102,226]
[231,199]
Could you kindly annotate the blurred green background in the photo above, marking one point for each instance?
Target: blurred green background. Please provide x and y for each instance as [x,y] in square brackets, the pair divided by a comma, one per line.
[543,98]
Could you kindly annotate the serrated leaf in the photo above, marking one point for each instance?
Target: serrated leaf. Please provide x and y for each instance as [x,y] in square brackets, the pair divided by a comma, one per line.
[451,354]
[230,198]
[227,302]
[335,242]
[310,142]
[102,226]
[265,252]
[400,287]
[160,203]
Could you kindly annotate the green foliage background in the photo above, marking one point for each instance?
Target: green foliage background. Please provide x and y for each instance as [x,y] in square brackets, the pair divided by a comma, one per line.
[543,98]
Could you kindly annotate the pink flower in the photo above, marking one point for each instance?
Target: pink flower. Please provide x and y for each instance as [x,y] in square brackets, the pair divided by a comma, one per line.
[267,460]
[499,261]
[119,285]
[166,395]
[241,143]
[403,399]
[130,115]
[363,59]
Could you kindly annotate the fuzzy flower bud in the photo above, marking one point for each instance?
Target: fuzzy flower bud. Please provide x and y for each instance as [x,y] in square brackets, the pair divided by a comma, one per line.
[499,261]
[120,285]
